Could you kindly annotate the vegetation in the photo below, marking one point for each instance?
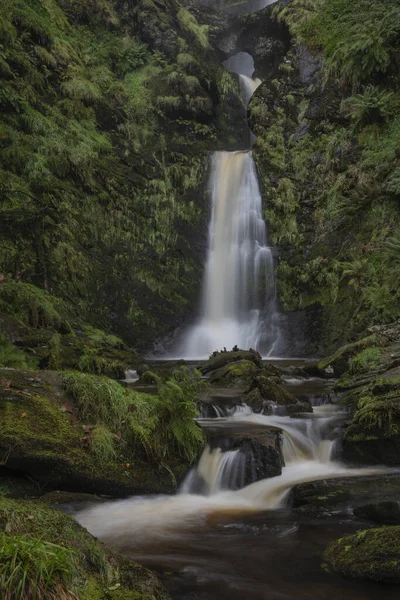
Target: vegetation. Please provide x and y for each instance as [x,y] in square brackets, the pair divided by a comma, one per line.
[45,554]
[33,568]
[161,425]
[364,360]
[369,554]
[107,112]
[329,164]
[10,355]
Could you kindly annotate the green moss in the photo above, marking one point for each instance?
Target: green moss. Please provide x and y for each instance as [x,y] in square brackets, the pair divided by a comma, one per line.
[102,443]
[41,434]
[370,554]
[87,567]
[235,373]
[10,355]
[364,360]
[340,360]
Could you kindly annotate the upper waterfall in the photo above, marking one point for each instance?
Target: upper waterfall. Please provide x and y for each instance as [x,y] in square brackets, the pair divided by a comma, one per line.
[239,299]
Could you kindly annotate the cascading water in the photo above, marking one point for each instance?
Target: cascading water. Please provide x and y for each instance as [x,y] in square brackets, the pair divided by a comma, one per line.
[239,297]
[132,524]
[238,305]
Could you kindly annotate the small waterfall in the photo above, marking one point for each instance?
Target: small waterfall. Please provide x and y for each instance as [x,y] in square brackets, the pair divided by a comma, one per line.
[215,472]
[247,88]
[212,492]
[239,296]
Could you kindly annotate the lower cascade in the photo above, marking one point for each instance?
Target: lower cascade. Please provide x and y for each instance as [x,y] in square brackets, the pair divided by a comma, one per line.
[143,526]
[239,297]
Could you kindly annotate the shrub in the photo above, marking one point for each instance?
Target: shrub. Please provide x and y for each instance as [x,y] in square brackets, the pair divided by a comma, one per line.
[161,425]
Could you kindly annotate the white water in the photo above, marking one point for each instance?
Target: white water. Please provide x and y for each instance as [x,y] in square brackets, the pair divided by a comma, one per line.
[138,524]
[238,304]
[239,296]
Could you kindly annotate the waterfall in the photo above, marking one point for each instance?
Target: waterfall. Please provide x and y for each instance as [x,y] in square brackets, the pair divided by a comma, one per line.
[239,296]
[238,305]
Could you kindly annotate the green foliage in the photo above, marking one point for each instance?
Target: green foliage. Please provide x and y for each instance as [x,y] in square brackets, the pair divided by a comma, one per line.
[329,167]
[189,23]
[96,172]
[372,106]
[49,548]
[99,399]
[32,305]
[10,355]
[162,425]
[375,417]
[102,443]
[360,40]
[364,360]
[33,568]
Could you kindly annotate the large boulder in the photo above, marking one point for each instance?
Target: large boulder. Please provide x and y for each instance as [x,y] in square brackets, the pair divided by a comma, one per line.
[239,374]
[220,359]
[342,495]
[370,554]
[266,390]
[41,437]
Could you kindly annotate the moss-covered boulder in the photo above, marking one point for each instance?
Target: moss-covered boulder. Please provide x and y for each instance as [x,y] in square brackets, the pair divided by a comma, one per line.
[370,554]
[220,359]
[62,560]
[339,362]
[43,435]
[238,373]
[266,390]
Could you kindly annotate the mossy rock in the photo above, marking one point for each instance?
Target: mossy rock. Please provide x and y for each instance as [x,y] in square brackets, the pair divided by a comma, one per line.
[255,400]
[100,573]
[339,362]
[370,554]
[317,496]
[384,513]
[238,373]
[41,437]
[223,358]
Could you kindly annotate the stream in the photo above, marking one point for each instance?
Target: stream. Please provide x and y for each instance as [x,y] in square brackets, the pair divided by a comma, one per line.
[212,541]
[218,538]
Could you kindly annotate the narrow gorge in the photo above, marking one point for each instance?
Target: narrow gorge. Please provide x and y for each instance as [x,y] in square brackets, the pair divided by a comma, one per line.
[199,299]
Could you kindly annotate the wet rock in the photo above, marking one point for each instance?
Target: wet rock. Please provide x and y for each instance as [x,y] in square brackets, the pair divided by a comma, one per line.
[269,391]
[255,400]
[223,358]
[370,554]
[384,513]
[239,373]
[341,494]
[261,454]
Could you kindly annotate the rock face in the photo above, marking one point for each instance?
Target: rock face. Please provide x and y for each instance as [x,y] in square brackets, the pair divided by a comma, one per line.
[370,554]
[98,572]
[41,437]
